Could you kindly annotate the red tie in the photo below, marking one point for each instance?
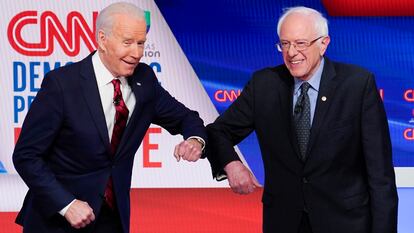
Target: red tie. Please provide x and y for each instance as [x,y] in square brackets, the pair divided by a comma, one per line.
[121,118]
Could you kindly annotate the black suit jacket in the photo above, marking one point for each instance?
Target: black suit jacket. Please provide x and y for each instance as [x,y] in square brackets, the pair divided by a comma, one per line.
[347,183]
[63,151]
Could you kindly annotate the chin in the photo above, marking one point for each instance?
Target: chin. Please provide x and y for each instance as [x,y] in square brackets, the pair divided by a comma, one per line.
[296,74]
[127,73]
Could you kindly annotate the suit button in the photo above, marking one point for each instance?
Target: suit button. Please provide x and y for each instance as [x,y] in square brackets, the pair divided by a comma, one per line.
[305,180]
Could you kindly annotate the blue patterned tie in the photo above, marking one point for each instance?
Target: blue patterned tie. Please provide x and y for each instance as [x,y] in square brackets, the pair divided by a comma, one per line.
[302,120]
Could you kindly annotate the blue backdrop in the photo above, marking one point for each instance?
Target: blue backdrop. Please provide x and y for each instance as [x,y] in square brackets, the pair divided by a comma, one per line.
[226,40]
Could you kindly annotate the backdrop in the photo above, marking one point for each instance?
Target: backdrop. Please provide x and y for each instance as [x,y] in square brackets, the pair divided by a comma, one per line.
[203,53]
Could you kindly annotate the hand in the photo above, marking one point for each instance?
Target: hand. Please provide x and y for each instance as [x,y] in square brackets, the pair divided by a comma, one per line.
[189,150]
[79,214]
[241,180]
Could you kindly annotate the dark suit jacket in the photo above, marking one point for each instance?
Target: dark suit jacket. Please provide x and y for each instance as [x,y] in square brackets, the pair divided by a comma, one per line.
[63,151]
[347,183]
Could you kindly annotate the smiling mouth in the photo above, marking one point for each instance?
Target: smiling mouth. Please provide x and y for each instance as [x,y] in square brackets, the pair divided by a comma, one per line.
[130,63]
[296,62]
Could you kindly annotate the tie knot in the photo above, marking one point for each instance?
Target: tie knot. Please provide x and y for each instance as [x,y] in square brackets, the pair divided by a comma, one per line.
[305,87]
[116,83]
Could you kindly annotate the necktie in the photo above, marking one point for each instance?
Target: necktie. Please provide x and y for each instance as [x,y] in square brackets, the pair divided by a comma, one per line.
[121,118]
[302,119]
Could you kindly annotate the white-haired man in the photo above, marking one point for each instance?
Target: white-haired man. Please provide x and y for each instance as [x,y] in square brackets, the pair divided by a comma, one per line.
[323,135]
[78,141]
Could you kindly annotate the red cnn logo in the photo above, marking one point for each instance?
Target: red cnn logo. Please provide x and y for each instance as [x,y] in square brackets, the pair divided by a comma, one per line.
[409,134]
[51,28]
[409,95]
[226,95]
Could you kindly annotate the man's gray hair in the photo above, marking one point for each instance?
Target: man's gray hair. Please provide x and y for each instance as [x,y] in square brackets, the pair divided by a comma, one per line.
[320,22]
[105,18]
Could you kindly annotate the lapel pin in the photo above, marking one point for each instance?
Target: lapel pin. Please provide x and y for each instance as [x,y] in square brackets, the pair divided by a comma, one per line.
[138,84]
[323,98]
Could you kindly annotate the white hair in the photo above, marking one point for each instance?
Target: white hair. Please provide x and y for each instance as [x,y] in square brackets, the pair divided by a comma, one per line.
[105,18]
[320,22]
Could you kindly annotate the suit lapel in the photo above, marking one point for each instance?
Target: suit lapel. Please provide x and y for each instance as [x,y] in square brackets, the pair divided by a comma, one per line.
[92,98]
[326,90]
[286,103]
[133,120]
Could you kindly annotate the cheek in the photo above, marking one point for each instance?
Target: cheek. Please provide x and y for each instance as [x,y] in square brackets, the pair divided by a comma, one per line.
[115,50]
[123,52]
[313,61]
[285,57]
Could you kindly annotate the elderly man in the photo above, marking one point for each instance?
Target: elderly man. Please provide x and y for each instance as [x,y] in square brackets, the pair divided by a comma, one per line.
[78,141]
[323,135]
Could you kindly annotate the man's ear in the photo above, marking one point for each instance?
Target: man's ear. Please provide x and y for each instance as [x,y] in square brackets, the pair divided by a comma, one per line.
[324,44]
[102,37]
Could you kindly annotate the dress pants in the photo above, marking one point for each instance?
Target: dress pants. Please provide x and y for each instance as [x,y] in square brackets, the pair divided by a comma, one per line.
[305,226]
[108,221]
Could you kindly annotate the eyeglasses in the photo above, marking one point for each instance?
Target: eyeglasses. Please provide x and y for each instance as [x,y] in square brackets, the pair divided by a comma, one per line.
[299,45]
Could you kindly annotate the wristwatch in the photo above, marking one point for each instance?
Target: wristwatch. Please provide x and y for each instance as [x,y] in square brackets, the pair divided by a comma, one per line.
[200,140]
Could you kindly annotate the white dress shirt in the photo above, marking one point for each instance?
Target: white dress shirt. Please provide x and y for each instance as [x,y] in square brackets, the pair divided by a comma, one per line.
[106,92]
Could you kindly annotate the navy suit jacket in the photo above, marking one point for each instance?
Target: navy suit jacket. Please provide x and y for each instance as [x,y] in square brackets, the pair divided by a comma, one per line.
[347,183]
[63,151]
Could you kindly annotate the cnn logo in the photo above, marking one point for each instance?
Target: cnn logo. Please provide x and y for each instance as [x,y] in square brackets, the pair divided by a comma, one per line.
[50,30]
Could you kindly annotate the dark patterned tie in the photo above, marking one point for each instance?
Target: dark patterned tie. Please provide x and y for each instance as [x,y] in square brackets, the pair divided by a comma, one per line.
[302,120]
[121,118]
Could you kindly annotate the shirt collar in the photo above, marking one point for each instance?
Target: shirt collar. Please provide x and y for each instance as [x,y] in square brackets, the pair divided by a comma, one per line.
[103,75]
[314,81]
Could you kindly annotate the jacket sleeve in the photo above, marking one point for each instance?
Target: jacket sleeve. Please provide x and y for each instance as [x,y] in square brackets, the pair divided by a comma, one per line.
[30,156]
[229,129]
[175,117]
[378,159]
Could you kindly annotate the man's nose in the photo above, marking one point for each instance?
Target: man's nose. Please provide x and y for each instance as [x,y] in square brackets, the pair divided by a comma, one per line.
[292,50]
[136,51]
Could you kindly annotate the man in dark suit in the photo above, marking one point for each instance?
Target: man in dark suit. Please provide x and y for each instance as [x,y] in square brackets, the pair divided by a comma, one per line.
[78,141]
[323,135]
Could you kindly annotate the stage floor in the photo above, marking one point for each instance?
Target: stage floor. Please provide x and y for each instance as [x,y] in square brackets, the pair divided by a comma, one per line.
[188,210]
[205,210]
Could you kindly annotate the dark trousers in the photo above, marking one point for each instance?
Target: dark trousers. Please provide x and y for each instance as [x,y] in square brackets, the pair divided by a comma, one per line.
[108,221]
[305,226]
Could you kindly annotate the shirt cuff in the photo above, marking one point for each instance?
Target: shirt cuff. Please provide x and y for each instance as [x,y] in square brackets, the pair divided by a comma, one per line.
[63,211]
[221,176]
[200,140]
